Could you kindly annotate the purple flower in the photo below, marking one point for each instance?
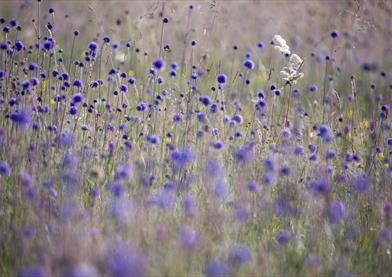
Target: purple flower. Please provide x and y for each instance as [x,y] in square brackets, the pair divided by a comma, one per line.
[313,88]
[78,83]
[190,205]
[189,238]
[182,158]
[253,186]
[158,64]
[217,269]
[126,261]
[244,155]
[361,182]
[249,64]
[241,254]
[325,133]
[218,145]
[221,78]
[153,139]
[337,212]
[283,237]
[5,168]
[77,98]
[21,118]
[33,271]
[238,118]
[385,235]
[124,172]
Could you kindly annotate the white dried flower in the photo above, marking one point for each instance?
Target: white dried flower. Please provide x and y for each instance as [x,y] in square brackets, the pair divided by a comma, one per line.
[280,44]
[295,61]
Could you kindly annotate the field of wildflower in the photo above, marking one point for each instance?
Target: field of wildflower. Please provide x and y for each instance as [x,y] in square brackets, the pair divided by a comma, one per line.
[195,138]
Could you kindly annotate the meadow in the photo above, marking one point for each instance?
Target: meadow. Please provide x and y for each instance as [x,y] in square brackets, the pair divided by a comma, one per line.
[195,138]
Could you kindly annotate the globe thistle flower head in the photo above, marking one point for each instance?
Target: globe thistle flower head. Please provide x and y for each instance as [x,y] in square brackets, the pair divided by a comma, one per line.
[158,64]
[361,182]
[189,238]
[218,145]
[124,172]
[22,118]
[5,168]
[126,260]
[78,83]
[35,270]
[337,212]
[217,268]
[19,46]
[93,46]
[249,64]
[241,254]
[221,78]
[325,132]
[153,139]
[77,98]
[283,237]
[253,186]
[244,155]
[385,235]
[66,139]
[182,158]
[190,205]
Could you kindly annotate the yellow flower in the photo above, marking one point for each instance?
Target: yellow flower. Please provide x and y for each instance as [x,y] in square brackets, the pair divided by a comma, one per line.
[131,73]
[52,102]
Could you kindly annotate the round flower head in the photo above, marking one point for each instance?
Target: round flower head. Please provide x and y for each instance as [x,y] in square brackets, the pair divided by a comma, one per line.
[93,46]
[337,212]
[125,260]
[153,139]
[77,98]
[249,64]
[189,238]
[158,64]
[334,34]
[78,83]
[221,78]
[36,271]
[217,269]
[253,186]
[241,254]
[182,158]
[313,88]
[190,205]
[283,237]
[5,168]
[361,182]
[21,118]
